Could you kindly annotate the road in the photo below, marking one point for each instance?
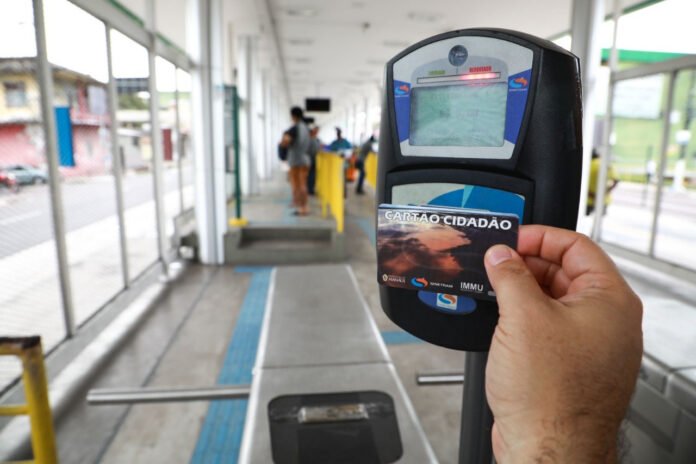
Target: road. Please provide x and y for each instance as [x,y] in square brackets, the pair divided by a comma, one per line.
[25,218]
[628,222]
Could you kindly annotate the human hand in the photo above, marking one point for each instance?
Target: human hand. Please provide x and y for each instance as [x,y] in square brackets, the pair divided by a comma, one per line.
[566,352]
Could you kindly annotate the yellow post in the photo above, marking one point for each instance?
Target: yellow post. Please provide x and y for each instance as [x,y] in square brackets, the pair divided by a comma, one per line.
[38,407]
[337,181]
[322,167]
[14,410]
[43,440]
[371,169]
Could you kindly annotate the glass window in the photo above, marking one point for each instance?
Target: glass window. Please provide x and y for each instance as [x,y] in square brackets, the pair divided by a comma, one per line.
[183,82]
[132,74]
[30,300]
[166,90]
[677,215]
[638,109]
[84,146]
[15,94]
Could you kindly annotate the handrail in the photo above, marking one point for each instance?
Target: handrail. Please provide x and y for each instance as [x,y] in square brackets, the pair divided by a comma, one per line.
[330,185]
[371,169]
[37,407]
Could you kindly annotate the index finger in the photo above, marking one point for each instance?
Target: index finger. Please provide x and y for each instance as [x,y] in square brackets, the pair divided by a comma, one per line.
[575,253]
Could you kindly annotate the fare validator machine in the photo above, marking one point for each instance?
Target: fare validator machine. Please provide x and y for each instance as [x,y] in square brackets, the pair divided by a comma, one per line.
[479,119]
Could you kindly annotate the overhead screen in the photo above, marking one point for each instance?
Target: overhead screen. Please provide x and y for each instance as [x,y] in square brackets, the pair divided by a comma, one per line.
[318,104]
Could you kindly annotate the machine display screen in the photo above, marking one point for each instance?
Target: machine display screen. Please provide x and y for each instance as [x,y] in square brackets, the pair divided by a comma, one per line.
[463,115]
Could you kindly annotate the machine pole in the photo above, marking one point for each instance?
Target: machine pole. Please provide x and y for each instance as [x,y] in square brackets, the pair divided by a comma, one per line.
[235,132]
[477,420]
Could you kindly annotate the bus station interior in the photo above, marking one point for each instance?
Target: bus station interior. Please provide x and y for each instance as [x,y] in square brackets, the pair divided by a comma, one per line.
[147,233]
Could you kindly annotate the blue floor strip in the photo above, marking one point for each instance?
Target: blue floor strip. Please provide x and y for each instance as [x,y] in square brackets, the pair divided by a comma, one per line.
[220,437]
[398,337]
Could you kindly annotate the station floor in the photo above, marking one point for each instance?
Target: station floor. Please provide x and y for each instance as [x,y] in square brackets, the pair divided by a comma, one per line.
[186,339]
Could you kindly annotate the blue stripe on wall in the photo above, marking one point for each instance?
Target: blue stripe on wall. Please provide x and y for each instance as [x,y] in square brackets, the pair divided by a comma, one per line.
[220,437]
[399,337]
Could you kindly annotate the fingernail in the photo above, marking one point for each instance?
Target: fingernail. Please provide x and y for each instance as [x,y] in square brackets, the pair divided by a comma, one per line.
[497,254]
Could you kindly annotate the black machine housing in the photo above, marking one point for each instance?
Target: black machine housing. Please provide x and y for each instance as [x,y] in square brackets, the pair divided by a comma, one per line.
[545,168]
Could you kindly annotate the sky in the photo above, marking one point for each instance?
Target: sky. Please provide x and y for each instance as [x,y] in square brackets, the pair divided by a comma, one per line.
[77,40]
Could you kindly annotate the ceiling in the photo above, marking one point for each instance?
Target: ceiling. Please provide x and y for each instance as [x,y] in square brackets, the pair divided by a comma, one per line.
[338,48]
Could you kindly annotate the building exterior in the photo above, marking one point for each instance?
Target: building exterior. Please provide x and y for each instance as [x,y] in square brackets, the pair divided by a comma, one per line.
[81,97]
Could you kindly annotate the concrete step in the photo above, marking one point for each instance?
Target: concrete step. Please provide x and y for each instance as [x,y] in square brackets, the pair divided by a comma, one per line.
[283,243]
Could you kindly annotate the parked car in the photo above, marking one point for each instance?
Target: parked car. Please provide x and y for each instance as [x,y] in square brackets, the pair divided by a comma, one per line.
[26,174]
[8,181]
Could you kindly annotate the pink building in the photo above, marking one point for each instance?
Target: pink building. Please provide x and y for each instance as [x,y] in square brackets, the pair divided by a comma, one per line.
[21,135]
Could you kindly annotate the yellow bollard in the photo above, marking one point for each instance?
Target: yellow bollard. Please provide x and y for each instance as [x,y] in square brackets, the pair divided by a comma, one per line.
[338,201]
[330,180]
[321,182]
[38,407]
[371,169]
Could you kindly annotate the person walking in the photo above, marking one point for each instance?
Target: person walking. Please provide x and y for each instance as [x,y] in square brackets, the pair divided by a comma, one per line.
[612,182]
[340,145]
[297,141]
[365,150]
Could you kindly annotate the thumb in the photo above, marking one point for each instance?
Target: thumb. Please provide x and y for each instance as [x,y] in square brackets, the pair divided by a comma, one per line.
[513,282]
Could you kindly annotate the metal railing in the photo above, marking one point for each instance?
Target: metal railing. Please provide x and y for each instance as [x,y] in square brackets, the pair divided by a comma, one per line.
[330,186]
[37,407]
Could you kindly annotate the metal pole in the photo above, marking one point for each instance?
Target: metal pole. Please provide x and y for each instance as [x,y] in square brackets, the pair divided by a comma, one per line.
[163,395]
[477,420]
[587,17]
[235,128]
[51,145]
[116,161]
[249,110]
[663,162]
[179,142]
[449,378]
[156,140]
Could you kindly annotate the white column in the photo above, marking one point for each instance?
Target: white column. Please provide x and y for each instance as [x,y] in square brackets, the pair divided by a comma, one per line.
[367,128]
[156,138]
[208,136]
[356,126]
[606,133]
[252,149]
[586,22]
[269,152]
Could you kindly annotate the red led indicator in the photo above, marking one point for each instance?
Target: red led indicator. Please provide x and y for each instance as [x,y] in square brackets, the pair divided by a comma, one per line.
[480,69]
[477,76]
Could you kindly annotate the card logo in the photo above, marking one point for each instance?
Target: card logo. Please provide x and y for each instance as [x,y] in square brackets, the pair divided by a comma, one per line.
[471,287]
[518,82]
[401,89]
[458,55]
[419,282]
[447,301]
[394,279]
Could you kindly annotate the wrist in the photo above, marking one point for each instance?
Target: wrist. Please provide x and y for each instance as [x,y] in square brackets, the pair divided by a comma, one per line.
[567,440]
